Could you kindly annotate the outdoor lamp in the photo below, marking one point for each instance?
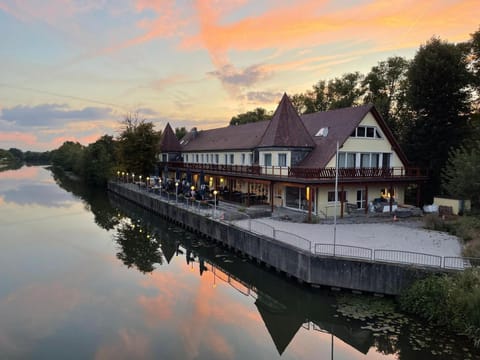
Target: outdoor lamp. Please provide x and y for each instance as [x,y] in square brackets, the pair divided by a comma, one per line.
[215,192]
[176,191]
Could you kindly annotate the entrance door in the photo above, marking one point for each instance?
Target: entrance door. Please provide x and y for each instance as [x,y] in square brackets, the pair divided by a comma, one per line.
[361,201]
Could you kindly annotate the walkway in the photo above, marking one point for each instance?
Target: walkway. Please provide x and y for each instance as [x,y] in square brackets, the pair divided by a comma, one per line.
[403,241]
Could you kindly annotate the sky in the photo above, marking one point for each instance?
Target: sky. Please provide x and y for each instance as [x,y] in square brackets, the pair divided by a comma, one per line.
[73,69]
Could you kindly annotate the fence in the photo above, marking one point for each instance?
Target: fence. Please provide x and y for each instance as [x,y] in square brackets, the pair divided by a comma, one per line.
[346,251]
[407,257]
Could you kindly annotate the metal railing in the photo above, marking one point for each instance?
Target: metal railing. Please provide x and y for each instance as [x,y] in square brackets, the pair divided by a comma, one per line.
[345,251]
[297,172]
[407,257]
[348,251]
[294,240]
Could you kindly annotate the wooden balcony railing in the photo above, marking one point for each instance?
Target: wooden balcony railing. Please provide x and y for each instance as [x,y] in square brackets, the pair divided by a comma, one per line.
[301,173]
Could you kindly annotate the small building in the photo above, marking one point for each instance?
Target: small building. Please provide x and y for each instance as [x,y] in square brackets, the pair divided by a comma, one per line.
[293,161]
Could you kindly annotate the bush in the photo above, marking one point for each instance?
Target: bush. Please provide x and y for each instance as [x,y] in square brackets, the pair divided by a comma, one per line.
[452,301]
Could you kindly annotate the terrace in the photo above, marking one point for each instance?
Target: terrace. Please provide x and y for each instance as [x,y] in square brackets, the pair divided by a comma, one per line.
[301,173]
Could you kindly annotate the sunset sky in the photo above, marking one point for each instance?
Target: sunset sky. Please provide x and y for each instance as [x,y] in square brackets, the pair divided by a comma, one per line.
[72,69]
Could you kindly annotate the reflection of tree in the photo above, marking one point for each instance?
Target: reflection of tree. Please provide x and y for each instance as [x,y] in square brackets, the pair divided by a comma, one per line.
[139,246]
[94,198]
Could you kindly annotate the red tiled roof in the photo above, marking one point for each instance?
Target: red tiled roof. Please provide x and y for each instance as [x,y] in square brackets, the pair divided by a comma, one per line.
[286,129]
[278,132]
[169,142]
[340,124]
[234,137]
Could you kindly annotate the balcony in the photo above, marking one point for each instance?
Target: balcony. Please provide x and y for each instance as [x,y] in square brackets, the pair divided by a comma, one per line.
[297,173]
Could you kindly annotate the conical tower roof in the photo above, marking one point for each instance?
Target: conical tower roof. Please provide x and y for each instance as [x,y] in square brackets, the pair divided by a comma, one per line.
[286,129]
[169,142]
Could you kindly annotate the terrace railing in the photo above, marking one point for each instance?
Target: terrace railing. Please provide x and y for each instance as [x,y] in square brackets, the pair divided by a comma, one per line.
[298,172]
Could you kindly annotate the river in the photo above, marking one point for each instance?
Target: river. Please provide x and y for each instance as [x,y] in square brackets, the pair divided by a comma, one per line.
[87,275]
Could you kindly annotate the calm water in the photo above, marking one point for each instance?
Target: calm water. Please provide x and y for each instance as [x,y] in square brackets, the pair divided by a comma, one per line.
[87,276]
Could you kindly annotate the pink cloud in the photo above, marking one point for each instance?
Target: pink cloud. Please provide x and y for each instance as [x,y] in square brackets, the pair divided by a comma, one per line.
[16,136]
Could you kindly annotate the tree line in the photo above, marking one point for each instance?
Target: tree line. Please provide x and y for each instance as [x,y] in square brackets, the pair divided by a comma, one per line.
[431,103]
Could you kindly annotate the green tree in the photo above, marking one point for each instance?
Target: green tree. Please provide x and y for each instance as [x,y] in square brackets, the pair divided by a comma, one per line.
[385,88]
[138,145]
[259,114]
[180,132]
[99,161]
[69,157]
[438,97]
[461,175]
[347,90]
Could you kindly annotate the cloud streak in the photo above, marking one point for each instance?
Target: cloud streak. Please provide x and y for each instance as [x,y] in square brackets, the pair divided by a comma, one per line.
[51,114]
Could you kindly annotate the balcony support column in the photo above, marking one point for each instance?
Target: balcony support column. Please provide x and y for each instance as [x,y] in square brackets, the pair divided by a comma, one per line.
[271,195]
[342,201]
[366,199]
[391,198]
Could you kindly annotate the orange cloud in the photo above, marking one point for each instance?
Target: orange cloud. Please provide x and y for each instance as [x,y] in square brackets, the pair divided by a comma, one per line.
[381,23]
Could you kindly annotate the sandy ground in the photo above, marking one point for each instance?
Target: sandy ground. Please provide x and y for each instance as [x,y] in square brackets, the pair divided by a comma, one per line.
[405,236]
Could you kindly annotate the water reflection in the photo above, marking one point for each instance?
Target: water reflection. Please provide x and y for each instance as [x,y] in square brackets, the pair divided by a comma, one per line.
[285,307]
[201,301]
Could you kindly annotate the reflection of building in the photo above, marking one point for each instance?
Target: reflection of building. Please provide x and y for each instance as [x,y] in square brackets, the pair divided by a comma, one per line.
[283,305]
[290,161]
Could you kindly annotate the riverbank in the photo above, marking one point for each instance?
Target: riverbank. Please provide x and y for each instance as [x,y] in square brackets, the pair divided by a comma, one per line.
[291,255]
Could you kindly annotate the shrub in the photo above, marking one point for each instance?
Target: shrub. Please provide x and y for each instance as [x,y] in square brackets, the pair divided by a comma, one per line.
[452,301]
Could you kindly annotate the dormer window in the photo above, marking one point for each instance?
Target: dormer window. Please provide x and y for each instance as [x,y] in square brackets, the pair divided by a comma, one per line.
[370,132]
[323,132]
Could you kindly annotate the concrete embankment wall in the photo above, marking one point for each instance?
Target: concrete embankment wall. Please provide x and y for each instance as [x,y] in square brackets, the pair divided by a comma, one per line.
[374,277]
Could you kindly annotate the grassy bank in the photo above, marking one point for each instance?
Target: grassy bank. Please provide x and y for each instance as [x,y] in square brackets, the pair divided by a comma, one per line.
[450,300]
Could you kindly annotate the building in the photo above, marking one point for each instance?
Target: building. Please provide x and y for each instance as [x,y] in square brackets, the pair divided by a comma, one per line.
[290,161]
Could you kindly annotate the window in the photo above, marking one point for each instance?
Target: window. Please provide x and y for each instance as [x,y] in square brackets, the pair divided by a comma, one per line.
[225,159]
[202,159]
[232,158]
[341,196]
[186,158]
[346,160]
[243,159]
[250,159]
[196,158]
[386,160]
[282,159]
[267,159]
[164,157]
[366,132]
[216,159]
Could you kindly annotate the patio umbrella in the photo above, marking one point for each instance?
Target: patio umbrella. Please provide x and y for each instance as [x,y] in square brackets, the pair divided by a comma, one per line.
[202,178]
[189,176]
[177,174]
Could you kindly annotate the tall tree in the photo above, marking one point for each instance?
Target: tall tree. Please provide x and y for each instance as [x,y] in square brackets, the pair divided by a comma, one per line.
[138,145]
[385,87]
[180,132]
[345,91]
[69,156]
[99,160]
[461,175]
[259,114]
[438,96]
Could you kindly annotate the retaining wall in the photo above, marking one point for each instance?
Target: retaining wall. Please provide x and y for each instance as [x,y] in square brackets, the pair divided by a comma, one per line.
[368,276]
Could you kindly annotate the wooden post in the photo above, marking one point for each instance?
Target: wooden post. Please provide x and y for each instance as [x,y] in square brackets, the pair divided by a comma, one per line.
[248,194]
[391,198]
[309,193]
[271,195]
[366,199]
[341,201]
